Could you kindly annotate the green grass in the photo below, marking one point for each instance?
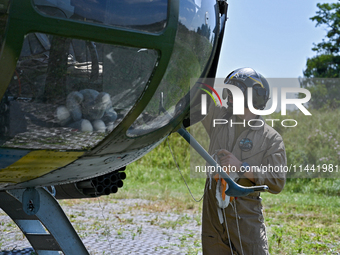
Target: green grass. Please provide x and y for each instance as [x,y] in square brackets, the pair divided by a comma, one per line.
[302,223]
[302,219]
[156,177]
[165,185]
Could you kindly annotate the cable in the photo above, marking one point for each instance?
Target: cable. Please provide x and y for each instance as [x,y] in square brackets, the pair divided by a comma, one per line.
[205,189]
[238,228]
[226,226]
[106,227]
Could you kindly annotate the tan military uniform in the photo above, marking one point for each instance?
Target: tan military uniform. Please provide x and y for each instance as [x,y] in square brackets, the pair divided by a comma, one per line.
[268,149]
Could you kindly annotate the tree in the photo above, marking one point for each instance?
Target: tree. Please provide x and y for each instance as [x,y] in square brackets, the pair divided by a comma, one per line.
[204,30]
[326,64]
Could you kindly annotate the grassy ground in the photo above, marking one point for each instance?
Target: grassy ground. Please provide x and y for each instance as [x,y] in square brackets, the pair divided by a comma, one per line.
[297,223]
[302,223]
[303,219]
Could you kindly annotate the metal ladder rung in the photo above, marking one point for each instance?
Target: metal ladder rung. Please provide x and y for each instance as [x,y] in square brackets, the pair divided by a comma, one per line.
[45,242]
[37,235]
[31,226]
[49,231]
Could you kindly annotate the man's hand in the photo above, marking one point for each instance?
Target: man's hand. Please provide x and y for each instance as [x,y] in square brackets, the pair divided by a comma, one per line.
[228,159]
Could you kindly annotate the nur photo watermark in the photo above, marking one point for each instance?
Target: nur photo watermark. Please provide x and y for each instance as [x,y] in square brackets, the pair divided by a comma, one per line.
[296,111]
[239,103]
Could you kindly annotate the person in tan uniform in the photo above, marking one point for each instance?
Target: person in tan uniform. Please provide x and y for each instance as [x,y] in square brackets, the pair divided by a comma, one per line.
[237,227]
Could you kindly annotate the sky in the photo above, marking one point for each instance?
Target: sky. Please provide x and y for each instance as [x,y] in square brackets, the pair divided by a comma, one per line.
[273,37]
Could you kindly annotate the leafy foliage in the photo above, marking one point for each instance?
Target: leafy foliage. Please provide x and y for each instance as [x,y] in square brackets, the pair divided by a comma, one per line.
[313,142]
[326,64]
[325,92]
[328,15]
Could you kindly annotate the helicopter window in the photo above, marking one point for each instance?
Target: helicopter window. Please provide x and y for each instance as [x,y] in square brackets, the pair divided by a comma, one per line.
[149,16]
[192,50]
[70,93]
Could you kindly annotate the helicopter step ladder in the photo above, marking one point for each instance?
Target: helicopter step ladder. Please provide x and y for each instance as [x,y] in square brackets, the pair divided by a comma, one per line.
[48,215]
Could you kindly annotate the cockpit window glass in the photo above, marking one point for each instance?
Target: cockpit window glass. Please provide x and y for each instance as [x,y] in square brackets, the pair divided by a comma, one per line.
[69,93]
[192,50]
[144,15]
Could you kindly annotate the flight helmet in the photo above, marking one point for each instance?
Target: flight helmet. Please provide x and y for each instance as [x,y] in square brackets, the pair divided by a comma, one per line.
[245,78]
